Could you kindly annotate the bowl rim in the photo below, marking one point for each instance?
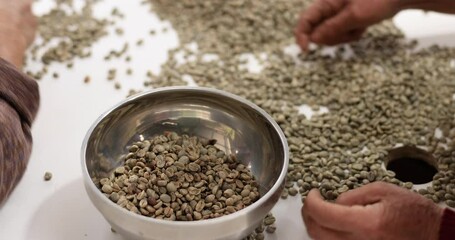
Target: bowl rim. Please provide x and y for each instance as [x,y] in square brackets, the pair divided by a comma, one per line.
[262,200]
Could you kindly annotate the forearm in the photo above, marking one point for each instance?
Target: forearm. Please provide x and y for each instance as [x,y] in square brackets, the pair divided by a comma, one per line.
[13,45]
[19,101]
[443,6]
[17,29]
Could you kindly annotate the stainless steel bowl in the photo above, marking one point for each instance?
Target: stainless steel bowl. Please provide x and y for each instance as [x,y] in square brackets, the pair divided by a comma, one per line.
[239,127]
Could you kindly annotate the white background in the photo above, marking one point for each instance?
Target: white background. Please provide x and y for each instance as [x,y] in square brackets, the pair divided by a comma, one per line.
[59,209]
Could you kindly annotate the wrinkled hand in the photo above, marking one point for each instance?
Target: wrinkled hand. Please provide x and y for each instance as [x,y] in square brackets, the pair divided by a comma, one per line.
[17,29]
[331,22]
[375,211]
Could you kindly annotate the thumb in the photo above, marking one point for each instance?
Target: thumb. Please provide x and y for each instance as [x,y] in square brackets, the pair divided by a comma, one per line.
[368,194]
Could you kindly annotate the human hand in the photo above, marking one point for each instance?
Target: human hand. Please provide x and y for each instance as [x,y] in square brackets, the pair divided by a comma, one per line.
[331,22]
[375,211]
[17,29]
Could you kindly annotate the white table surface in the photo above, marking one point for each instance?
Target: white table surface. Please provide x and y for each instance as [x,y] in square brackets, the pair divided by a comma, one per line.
[60,209]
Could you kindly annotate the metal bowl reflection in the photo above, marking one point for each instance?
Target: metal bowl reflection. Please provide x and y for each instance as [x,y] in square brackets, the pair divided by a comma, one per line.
[240,128]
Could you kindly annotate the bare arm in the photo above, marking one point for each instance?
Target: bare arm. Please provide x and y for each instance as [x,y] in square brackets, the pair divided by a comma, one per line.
[17,29]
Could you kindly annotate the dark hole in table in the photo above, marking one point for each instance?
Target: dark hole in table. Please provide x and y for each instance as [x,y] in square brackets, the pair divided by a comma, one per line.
[411,169]
[412,164]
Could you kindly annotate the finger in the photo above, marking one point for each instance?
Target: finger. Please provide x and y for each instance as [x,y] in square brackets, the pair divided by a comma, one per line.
[304,214]
[302,33]
[317,231]
[313,16]
[353,35]
[302,39]
[335,216]
[368,194]
[320,11]
[332,29]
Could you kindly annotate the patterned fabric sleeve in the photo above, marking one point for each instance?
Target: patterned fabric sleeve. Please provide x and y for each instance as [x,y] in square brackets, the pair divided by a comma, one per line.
[19,101]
